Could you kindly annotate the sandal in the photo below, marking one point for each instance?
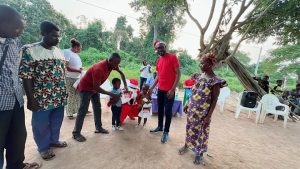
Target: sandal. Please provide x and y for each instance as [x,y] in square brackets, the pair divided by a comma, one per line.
[60,144]
[48,155]
[183,150]
[198,159]
[33,165]
[79,138]
[70,117]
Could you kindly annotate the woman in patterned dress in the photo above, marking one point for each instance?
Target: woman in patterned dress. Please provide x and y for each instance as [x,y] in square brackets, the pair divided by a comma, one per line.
[200,107]
[74,69]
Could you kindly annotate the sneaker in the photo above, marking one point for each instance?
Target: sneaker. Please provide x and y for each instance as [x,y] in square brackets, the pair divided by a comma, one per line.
[101,130]
[120,128]
[165,137]
[113,127]
[156,130]
[137,125]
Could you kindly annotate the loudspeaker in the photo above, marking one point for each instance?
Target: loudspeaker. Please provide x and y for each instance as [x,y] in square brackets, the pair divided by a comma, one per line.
[249,99]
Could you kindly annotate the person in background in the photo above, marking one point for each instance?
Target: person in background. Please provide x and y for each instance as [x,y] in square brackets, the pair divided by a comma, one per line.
[12,116]
[277,90]
[145,71]
[116,105]
[200,107]
[168,70]
[295,99]
[264,83]
[151,80]
[74,69]
[187,85]
[89,89]
[43,72]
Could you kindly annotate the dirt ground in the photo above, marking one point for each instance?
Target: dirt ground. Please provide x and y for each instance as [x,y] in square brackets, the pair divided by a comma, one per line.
[233,144]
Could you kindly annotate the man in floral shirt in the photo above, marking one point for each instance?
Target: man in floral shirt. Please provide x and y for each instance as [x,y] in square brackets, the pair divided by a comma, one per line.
[43,72]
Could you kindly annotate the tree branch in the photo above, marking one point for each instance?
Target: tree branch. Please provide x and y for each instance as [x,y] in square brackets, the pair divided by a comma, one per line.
[243,8]
[218,24]
[212,10]
[192,17]
[202,33]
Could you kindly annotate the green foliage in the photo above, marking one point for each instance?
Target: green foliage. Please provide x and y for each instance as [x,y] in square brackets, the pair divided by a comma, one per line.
[92,56]
[280,20]
[91,36]
[34,12]
[188,65]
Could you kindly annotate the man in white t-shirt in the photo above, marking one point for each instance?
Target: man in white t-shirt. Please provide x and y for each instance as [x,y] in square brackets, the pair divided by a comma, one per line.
[145,71]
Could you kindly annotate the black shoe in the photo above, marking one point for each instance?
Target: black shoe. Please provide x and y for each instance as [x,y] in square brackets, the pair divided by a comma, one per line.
[101,130]
[164,137]
[79,137]
[156,130]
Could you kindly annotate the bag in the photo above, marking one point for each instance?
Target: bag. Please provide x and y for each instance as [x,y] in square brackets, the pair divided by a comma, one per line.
[75,85]
[249,99]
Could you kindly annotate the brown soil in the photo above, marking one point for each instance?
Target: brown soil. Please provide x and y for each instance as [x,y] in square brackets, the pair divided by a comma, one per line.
[234,143]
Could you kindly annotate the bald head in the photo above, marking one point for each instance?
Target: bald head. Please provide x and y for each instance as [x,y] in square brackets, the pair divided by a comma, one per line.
[11,22]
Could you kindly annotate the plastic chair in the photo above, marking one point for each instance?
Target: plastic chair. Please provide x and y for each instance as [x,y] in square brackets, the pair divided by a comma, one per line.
[239,107]
[224,93]
[269,104]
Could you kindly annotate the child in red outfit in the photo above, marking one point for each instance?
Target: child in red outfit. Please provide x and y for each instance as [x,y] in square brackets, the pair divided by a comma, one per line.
[130,105]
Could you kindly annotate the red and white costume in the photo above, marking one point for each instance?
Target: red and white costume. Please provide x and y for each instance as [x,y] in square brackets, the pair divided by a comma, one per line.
[130,102]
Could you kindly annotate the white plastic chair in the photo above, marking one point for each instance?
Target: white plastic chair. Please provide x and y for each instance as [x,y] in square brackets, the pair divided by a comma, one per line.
[224,93]
[239,107]
[269,104]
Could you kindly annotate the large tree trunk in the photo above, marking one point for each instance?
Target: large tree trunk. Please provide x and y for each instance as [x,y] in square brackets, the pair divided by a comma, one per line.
[243,75]
[155,32]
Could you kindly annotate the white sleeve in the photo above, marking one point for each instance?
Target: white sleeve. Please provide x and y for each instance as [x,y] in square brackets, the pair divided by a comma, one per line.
[67,54]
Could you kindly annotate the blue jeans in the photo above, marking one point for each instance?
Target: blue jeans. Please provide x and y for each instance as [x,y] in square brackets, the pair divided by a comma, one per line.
[12,137]
[46,127]
[164,108]
[116,114]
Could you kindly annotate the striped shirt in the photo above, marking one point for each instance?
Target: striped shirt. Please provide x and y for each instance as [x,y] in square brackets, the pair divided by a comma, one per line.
[10,84]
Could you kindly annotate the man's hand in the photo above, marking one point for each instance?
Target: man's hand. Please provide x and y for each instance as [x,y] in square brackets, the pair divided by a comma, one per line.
[115,97]
[207,121]
[171,93]
[33,105]
[185,109]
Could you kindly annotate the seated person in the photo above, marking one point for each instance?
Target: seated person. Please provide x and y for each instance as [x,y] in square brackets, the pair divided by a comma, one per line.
[277,90]
[295,99]
[187,85]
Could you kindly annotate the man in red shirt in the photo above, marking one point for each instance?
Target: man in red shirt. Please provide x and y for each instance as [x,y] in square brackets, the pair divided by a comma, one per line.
[167,67]
[89,89]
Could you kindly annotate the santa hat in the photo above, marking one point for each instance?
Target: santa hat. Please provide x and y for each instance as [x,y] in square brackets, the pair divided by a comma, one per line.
[133,83]
[157,42]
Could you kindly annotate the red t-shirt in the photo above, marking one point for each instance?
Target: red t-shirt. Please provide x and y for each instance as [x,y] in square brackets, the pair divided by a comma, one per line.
[98,73]
[165,67]
[189,82]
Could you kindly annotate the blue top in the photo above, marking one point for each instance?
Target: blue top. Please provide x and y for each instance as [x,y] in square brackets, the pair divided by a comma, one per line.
[117,91]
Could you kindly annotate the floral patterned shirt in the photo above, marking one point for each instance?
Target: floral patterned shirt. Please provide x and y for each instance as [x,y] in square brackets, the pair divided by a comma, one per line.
[47,69]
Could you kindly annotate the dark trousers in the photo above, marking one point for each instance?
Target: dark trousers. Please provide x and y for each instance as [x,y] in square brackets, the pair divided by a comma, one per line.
[12,137]
[164,109]
[116,114]
[85,98]
[142,81]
